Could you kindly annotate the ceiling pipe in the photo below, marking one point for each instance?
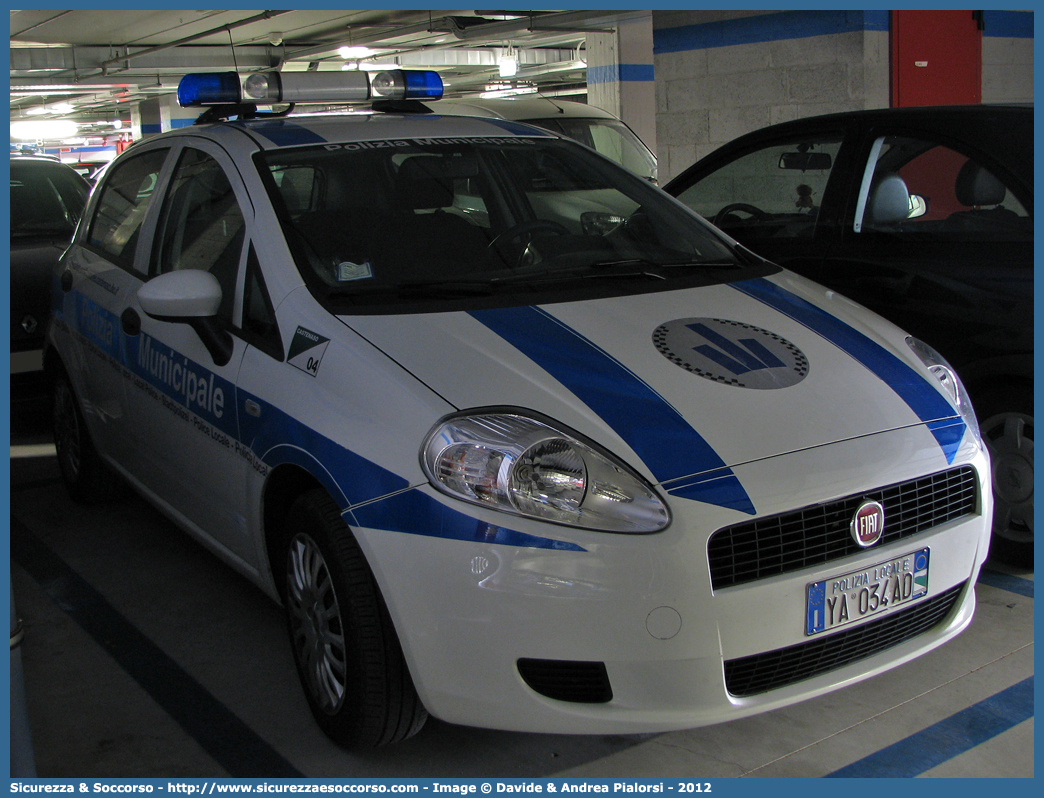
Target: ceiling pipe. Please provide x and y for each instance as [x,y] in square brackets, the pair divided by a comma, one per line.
[103,69]
[461,33]
[550,23]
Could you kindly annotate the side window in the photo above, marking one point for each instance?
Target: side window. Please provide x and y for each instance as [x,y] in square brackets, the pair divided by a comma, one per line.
[202,226]
[122,205]
[917,188]
[773,192]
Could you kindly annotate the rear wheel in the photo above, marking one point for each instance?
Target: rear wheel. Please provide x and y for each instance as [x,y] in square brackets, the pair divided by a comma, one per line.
[87,478]
[1008,435]
[347,654]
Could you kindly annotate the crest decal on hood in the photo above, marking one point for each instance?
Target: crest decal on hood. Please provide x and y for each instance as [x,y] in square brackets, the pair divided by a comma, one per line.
[732,353]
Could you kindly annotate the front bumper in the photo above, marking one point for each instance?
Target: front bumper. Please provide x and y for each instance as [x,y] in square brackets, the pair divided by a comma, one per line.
[643,606]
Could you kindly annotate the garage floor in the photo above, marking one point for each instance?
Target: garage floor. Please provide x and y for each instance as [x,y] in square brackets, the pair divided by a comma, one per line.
[145,656]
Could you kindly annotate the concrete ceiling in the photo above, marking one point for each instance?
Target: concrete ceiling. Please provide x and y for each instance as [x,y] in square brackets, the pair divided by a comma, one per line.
[103,62]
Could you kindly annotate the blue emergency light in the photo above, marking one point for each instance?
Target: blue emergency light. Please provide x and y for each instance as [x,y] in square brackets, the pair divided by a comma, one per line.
[267,88]
[208,88]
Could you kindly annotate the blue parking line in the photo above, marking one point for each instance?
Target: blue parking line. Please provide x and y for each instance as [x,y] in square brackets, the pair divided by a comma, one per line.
[944,740]
[229,741]
[1001,581]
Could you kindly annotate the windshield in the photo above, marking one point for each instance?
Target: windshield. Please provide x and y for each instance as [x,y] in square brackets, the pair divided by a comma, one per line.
[46,200]
[610,137]
[401,220]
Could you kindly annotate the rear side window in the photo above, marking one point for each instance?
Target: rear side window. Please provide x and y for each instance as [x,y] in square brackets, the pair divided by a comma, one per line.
[122,205]
[921,189]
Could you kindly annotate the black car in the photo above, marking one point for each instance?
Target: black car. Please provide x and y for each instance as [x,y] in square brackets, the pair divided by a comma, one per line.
[47,199]
[924,215]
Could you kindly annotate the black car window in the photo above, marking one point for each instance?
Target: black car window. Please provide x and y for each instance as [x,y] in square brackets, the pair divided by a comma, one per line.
[920,189]
[775,191]
[259,319]
[121,208]
[610,137]
[202,226]
[46,200]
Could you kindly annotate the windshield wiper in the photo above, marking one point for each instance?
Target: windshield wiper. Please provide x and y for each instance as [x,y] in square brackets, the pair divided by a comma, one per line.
[626,268]
[445,288]
[668,264]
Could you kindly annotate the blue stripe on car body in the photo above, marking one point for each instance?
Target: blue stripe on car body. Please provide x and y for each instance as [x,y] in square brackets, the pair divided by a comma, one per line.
[414,512]
[650,425]
[929,405]
[385,499]
[284,133]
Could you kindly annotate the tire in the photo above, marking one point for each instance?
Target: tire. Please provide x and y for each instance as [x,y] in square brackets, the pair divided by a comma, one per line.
[87,477]
[347,654]
[1008,435]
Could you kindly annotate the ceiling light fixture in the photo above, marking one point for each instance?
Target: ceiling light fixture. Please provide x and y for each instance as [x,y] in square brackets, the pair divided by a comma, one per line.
[349,53]
[508,63]
[44,130]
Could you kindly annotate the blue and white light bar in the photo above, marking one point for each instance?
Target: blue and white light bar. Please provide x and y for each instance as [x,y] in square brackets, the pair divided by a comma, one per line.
[267,88]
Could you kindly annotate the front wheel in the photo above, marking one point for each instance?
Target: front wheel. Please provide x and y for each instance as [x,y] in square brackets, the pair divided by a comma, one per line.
[347,654]
[1009,440]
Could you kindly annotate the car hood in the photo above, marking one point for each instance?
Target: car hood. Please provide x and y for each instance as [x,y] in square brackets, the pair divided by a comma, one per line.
[685,385]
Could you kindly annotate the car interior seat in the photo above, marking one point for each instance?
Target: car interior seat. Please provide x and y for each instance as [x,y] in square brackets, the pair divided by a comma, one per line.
[979,190]
[431,241]
[889,203]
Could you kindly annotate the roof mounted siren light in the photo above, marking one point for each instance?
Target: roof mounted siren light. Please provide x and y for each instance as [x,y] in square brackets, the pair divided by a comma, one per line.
[226,96]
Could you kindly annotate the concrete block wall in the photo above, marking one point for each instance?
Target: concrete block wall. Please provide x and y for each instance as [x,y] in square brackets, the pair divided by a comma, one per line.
[1007,57]
[620,74]
[720,74]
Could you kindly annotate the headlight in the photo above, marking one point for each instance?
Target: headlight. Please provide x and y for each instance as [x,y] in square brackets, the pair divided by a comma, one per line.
[944,372]
[517,464]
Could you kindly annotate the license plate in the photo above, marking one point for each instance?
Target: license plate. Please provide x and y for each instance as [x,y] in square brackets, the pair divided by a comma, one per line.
[851,597]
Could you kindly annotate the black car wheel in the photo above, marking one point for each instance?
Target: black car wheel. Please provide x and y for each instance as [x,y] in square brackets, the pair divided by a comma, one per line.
[87,478]
[1009,440]
[347,654]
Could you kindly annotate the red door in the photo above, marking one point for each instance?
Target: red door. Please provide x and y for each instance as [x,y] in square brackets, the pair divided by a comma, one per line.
[936,58]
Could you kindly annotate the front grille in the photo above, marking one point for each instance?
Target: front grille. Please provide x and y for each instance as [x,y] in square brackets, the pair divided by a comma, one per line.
[815,535]
[567,680]
[774,669]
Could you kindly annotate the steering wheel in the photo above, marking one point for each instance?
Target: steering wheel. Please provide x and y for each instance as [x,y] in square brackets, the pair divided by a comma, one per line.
[742,207]
[525,228]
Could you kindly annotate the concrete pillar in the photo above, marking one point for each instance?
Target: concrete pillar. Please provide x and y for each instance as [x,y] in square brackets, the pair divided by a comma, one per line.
[620,74]
[160,114]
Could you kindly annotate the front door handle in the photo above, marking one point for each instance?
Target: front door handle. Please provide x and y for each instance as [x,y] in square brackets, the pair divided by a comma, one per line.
[131,322]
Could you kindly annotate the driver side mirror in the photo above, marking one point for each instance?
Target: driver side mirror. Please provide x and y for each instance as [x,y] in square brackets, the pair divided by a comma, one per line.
[189,297]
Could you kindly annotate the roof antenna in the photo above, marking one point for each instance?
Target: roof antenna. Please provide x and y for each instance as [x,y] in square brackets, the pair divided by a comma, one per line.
[232,47]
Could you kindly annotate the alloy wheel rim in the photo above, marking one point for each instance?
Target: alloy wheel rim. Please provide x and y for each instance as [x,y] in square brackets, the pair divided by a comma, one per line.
[1009,441]
[316,627]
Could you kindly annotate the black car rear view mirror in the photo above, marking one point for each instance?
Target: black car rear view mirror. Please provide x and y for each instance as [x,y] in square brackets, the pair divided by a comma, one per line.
[803,161]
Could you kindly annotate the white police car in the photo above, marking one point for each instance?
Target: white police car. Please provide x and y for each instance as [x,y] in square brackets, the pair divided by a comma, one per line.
[516,439]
